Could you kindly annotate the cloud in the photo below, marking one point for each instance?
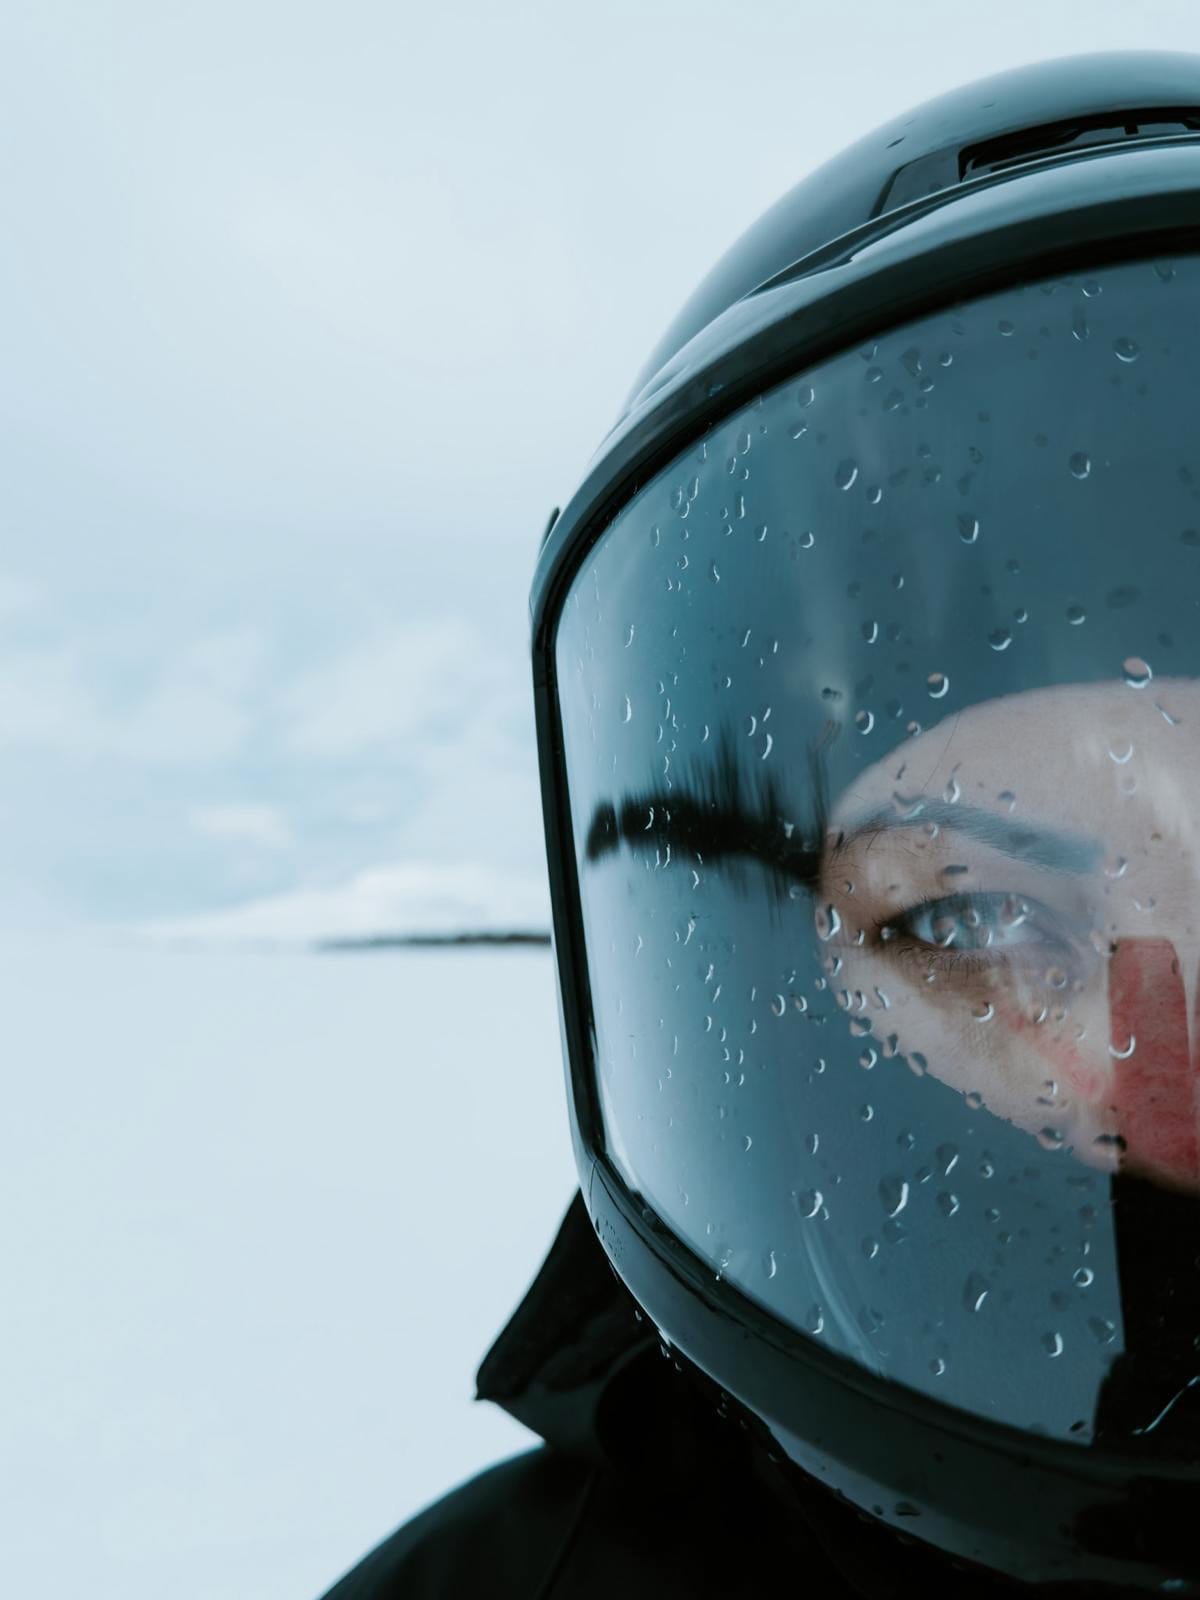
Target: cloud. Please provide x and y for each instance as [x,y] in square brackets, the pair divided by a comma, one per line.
[396,697]
[404,897]
[45,702]
[192,710]
[290,762]
[17,597]
[261,825]
[381,694]
[480,782]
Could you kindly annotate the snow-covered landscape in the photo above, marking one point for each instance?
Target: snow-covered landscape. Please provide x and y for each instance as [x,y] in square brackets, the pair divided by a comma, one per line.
[263,1214]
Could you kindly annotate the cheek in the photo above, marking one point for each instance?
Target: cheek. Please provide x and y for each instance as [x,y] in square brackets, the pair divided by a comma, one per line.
[1043,1059]
[1037,1056]
[912,1018]
[1071,1043]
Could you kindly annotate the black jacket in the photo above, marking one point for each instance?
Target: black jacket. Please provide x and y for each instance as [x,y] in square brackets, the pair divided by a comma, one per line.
[642,1486]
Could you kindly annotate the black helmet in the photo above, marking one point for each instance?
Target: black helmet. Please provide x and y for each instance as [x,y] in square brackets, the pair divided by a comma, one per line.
[867,664]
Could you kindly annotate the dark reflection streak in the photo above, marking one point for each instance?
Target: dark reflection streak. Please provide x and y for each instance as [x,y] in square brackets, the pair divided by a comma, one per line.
[723,819]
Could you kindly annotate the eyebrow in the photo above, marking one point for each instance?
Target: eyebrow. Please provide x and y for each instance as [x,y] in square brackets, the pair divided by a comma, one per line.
[1040,846]
[724,815]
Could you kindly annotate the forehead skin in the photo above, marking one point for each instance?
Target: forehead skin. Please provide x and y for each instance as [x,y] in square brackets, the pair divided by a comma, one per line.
[1082,754]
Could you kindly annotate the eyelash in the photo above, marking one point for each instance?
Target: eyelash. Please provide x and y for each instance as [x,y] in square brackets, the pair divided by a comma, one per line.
[947,962]
[888,933]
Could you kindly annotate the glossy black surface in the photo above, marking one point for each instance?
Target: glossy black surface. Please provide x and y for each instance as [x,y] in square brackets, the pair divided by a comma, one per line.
[902,534]
[1012,1501]
[1005,1500]
[1013,115]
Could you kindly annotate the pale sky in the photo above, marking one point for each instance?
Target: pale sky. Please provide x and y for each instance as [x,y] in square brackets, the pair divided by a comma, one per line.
[309,315]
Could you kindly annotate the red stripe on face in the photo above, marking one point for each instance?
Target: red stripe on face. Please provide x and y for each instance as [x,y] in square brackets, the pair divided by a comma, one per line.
[1084,1079]
[1154,1087]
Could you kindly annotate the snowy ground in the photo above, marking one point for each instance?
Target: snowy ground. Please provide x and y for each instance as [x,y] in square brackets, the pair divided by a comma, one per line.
[262,1215]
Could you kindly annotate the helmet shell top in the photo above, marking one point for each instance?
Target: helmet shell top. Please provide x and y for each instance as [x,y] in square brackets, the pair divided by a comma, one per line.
[1007,119]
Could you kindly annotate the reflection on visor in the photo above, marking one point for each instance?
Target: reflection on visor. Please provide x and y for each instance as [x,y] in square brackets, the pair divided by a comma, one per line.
[881,712]
[936,904]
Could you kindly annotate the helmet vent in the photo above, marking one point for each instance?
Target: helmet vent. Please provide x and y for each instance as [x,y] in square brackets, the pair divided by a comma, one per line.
[1012,149]
[942,169]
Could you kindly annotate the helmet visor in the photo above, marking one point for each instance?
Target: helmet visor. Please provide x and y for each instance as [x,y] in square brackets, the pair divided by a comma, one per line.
[880,711]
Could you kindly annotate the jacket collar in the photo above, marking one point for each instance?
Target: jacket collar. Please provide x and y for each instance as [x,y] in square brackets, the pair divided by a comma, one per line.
[580,1365]
[559,1361]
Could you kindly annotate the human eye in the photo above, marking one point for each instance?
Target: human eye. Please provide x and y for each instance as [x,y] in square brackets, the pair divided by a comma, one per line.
[985,926]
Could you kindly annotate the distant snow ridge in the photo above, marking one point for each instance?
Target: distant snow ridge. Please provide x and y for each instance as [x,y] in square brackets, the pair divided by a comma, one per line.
[397,903]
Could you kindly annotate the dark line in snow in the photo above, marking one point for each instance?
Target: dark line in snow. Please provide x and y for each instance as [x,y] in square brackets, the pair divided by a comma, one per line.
[409,941]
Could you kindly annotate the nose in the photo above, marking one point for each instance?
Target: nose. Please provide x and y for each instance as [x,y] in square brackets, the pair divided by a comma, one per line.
[1154,1086]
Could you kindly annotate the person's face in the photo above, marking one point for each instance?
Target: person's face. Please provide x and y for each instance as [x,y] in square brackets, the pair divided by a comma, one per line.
[1011,901]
